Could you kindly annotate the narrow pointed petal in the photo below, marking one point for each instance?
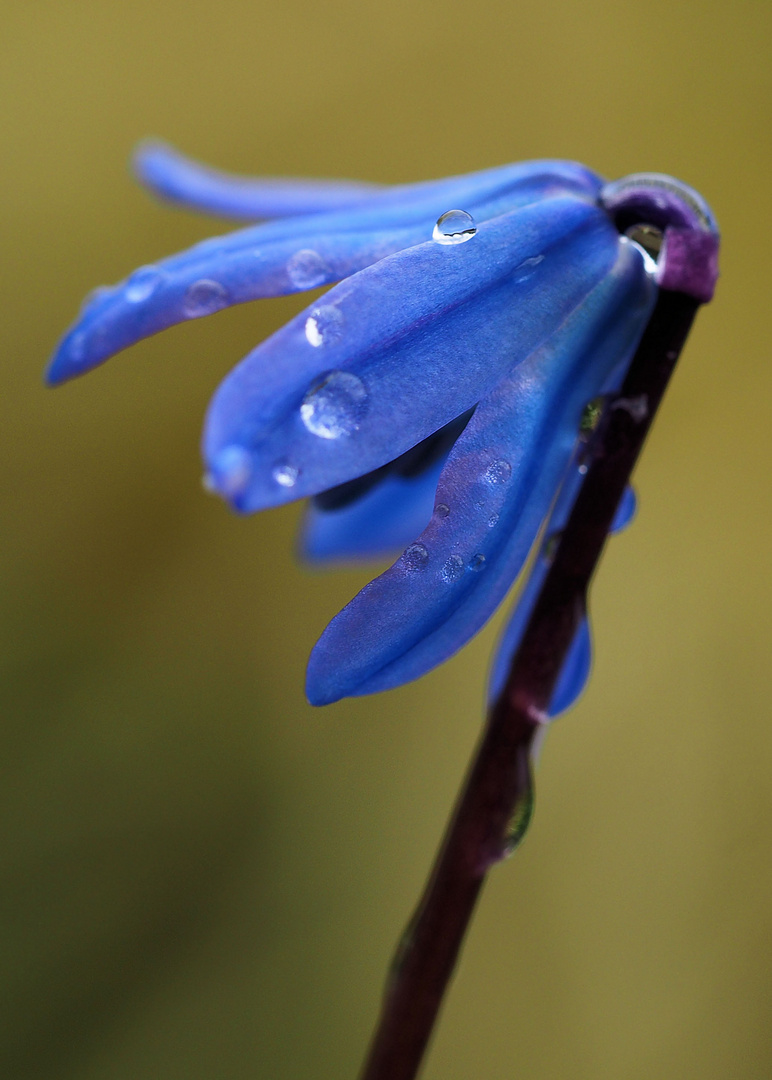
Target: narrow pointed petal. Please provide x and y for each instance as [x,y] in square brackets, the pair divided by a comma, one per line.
[383,521]
[399,350]
[178,179]
[497,486]
[292,255]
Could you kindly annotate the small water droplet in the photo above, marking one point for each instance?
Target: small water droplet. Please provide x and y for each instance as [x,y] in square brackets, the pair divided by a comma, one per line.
[142,284]
[493,521]
[324,326]
[477,563]
[498,472]
[285,475]
[442,510]
[335,406]
[527,268]
[231,471]
[517,826]
[453,569]
[77,347]
[454,227]
[204,297]
[306,269]
[415,557]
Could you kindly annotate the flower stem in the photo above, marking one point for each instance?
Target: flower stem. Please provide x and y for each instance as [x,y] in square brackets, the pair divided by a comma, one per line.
[498,791]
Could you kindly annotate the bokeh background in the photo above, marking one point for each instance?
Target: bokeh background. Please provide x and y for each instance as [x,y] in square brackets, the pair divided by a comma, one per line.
[200,876]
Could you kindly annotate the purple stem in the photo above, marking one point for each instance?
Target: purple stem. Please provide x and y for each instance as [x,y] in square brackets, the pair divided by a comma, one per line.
[498,788]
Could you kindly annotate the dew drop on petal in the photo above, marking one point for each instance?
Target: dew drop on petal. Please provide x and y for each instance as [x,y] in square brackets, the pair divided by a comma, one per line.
[442,510]
[454,227]
[324,326]
[415,557]
[231,471]
[477,563]
[493,521]
[204,297]
[142,284]
[306,269]
[453,569]
[527,268]
[285,475]
[335,405]
[498,472]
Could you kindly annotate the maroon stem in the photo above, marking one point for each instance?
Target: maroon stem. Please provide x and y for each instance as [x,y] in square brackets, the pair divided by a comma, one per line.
[499,780]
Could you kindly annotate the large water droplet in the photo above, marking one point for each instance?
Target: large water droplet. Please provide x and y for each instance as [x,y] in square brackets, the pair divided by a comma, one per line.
[498,472]
[285,475]
[477,563]
[306,269]
[142,284]
[454,227]
[415,557]
[335,406]
[231,471]
[453,569]
[442,510]
[324,325]
[517,826]
[204,297]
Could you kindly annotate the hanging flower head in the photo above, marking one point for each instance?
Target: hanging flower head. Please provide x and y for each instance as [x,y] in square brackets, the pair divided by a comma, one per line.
[433,400]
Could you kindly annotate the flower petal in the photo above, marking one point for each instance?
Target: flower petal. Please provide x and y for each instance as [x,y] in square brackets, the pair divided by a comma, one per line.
[381,522]
[292,255]
[398,351]
[497,487]
[179,179]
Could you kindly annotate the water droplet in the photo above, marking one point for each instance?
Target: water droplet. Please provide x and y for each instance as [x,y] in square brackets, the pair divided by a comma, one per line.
[142,283]
[517,826]
[527,268]
[324,326]
[453,569]
[306,269]
[477,563]
[204,297]
[498,472]
[91,299]
[231,471]
[415,557]
[442,510]
[590,417]
[285,475]
[493,521]
[334,406]
[454,227]
[77,347]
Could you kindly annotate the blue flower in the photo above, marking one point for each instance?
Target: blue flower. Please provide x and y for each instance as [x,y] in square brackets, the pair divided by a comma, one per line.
[432,400]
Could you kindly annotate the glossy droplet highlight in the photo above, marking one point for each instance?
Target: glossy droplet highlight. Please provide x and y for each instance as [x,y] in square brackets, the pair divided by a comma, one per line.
[285,475]
[324,326]
[498,472]
[477,563]
[527,268]
[142,284]
[453,569]
[335,406]
[204,297]
[306,269]
[454,227]
[415,557]
[441,510]
[231,471]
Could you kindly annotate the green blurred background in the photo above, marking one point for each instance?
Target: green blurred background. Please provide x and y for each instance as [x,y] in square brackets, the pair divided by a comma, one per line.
[204,878]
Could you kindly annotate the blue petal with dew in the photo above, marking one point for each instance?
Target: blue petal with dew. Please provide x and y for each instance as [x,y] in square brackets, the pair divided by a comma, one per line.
[495,491]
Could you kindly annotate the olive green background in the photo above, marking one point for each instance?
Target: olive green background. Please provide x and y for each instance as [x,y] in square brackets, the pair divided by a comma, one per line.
[202,878]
